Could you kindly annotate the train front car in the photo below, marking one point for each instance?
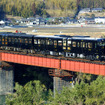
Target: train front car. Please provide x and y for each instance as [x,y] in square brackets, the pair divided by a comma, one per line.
[101,48]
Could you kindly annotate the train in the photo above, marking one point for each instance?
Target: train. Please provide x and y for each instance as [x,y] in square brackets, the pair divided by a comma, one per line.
[83,47]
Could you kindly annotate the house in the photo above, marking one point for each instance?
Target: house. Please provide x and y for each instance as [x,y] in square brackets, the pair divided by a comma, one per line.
[100,20]
[86,21]
[96,9]
[40,21]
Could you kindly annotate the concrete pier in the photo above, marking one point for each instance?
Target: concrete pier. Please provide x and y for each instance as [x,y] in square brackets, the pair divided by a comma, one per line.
[6,78]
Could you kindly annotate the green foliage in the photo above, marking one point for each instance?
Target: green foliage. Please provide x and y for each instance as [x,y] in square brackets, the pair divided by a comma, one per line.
[26,8]
[33,93]
[92,3]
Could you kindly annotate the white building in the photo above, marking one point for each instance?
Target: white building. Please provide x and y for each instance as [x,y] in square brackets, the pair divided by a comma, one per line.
[96,9]
[85,10]
[2,22]
[100,20]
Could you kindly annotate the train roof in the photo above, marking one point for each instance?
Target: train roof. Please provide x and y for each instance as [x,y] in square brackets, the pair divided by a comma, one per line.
[88,38]
[49,36]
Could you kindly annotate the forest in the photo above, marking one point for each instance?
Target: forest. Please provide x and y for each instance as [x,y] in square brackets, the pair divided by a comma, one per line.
[35,93]
[26,8]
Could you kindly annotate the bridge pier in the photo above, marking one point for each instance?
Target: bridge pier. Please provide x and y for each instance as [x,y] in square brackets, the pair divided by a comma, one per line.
[61,78]
[6,78]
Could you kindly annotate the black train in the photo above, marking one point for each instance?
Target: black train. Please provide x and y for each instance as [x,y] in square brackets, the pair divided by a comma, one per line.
[59,45]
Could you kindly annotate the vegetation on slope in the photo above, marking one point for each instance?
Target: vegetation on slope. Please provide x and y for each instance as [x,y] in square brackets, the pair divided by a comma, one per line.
[34,93]
[26,8]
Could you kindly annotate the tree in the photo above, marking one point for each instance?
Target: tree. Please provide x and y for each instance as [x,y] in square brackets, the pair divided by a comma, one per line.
[33,93]
[34,9]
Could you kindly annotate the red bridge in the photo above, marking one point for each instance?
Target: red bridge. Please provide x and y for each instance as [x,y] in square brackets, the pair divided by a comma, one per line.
[97,68]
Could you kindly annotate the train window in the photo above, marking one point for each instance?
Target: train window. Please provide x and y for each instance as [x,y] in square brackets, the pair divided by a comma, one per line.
[83,44]
[47,42]
[68,48]
[101,43]
[9,39]
[2,38]
[86,45]
[74,44]
[78,44]
[64,48]
[2,42]
[38,41]
[68,42]
[59,43]
[35,41]
[64,42]
[13,40]
[55,42]
[42,41]
[51,42]
[5,38]
[26,41]
[89,45]
[20,40]
[30,41]
[16,40]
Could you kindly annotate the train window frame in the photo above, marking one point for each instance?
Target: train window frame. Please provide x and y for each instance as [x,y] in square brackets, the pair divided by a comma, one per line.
[59,42]
[68,42]
[9,39]
[78,44]
[86,44]
[35,41]
[51,42]
[83,44]
[47,42]
[26,41]
[13,41]
[6,38]
[42,41]
[0,38]
[74,44]
[90,45]
[16,40]
[64,42]
[3,39]
[30,41]
[39,41]
[20,40]
[55,42]
[101,44]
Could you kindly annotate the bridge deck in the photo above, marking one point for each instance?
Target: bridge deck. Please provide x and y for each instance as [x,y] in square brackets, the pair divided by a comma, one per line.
[70,65]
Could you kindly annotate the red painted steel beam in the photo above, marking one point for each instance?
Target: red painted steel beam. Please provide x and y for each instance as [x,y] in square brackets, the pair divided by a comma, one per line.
[30,60]
[76,66]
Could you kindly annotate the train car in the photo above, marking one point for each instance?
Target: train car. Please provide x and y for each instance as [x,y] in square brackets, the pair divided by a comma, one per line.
[51,45]
[17,41]
[60,45]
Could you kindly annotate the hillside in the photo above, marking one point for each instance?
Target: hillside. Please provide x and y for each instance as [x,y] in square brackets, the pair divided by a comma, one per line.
[45,8]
